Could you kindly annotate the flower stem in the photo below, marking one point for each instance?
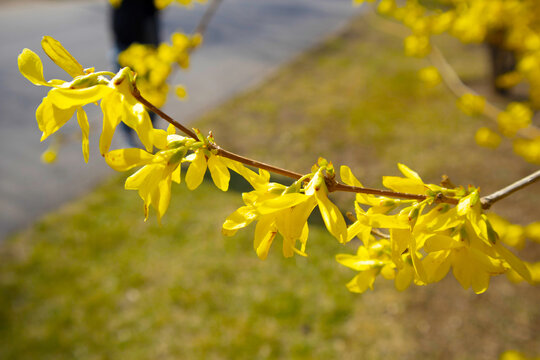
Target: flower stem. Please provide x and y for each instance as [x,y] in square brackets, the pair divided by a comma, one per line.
[137,94]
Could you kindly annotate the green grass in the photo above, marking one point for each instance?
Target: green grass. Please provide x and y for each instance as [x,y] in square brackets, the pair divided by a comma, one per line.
[93,281]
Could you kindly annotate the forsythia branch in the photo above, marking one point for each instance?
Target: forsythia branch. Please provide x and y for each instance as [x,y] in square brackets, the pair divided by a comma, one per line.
[489,200]
[332,184]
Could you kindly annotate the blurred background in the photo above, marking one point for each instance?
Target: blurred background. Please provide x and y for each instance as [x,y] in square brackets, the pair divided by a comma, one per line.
[83,276]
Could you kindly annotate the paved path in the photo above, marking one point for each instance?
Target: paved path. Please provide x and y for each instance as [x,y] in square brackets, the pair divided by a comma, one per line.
[245,41]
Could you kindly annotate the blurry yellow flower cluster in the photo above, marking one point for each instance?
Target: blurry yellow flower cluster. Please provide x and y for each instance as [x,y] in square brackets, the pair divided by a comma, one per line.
[154,65]
[512,25]
[426,239]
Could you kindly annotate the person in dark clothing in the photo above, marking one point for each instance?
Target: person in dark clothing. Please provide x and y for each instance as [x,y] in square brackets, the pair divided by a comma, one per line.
[134,21]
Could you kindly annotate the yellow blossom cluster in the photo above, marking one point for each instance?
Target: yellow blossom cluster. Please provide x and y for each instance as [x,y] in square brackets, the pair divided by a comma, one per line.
[512,25]
[154,65]
[426,240]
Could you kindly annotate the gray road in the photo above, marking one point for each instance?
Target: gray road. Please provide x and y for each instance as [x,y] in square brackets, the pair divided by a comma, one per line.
[245,41]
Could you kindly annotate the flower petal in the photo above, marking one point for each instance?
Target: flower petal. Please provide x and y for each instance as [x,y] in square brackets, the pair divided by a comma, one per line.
[66,98]
[164,197]
[61,57]
[363,281]
[135,181]
[31,67]
[404,277]
[176,175]
[359,263]
[85,130]
[219,172]
[111,118]
[265,232]
[515,263]
[51,118]
[136,117]
[281,202]
[437,264]
[462,267]
[125,159]
[196,171]
[440,242]
[333,219]
[406,185]
[257,181]
[348,178]
[356,228]
[410,174]
[239,219]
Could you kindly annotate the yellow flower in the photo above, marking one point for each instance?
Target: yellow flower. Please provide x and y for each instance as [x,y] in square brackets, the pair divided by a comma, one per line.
[369,261]
[200,161]
[430,75]
[472,105]
[412,183]
[153,180]
[516,116]
[487,138]
[417,45]
[285,210]
[65,98]
[275,212]
[120,105]
[464,240]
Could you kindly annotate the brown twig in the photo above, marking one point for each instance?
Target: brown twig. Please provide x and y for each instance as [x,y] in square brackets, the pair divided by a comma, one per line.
[207,17]
[489,200]
[137,94]
[257,164]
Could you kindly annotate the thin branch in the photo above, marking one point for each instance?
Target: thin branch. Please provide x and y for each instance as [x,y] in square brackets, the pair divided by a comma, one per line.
[137,94]
[257,164]
[489,200]
[207,17]
[389,193]
[333,186]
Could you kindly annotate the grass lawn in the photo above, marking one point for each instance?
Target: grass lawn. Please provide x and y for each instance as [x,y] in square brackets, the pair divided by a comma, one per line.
[93,281]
